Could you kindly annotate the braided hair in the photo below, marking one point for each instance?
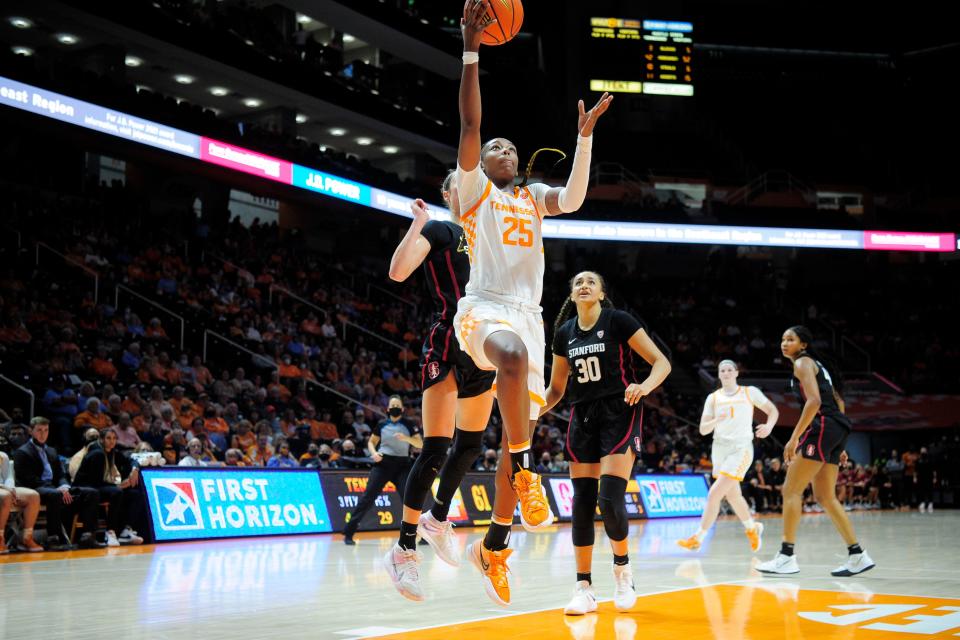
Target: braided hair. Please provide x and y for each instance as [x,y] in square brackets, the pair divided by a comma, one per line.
[569,307]
[826,359]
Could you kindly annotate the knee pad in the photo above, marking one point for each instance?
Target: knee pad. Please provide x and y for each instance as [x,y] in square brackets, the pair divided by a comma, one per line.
[584,508]
[467,446]
[613,509]
[424,470]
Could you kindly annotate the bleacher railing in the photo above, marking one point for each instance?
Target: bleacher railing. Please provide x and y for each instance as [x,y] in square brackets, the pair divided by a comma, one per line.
[43,248]
[155,305]
[21,389]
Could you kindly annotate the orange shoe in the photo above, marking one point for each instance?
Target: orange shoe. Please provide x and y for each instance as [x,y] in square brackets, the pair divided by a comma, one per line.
[690,543]
[755,536]
[29,545]
[3,545]
[494,571]
[535,513]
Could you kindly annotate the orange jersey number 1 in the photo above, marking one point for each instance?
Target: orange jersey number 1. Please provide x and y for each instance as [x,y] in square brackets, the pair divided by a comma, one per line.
[524,235]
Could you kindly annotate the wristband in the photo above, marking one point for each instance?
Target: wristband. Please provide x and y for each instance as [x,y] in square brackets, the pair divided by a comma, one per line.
[471,57]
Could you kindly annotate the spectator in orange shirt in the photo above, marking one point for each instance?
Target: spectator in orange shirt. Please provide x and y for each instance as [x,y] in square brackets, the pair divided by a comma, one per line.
[134,404]
[102,366]
[201,373]
[244,438]
[288,370]
[275,383]
[322,430]
[92,417]
[261,452]
[155,330]
[171,374]
[216,427]
[182,406]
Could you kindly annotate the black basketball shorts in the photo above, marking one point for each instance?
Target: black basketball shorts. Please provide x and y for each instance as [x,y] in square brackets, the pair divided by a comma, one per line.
[604,427]
[825,439]
[441,354]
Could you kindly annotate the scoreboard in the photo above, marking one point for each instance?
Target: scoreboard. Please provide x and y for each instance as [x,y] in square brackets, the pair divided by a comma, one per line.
[647,56]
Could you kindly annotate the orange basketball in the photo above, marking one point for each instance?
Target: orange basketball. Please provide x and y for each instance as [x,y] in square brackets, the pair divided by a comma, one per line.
[509,15]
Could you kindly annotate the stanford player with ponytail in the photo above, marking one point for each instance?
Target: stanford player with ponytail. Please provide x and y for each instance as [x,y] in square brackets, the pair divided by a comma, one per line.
[813,454]
[455,392]
[594,351]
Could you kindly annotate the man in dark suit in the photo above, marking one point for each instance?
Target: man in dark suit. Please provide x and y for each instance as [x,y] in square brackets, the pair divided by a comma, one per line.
[38,467]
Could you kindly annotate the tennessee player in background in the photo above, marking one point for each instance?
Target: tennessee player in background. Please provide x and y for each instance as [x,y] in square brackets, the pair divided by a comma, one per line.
[455,392]
[498,321]
[728,413]
[814,453]
[594,351]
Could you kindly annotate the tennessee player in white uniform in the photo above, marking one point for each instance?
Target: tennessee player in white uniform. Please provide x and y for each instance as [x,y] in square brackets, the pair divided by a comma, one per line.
[728,413]
[498,321]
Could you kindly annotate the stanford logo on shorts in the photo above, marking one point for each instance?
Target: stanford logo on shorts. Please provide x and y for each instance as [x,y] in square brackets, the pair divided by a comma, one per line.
[810,450]
[433,370]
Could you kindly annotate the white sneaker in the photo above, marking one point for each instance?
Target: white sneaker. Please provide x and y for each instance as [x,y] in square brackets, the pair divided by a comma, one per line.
[624,595]
[441,538]
[112,539]
[129,536]
[922,507]
[403,567]
[856,563]
[780,564]
[584,600]
[930,507]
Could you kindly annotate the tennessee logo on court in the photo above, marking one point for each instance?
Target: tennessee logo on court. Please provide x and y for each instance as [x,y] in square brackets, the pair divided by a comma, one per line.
[433,370]
[180,508]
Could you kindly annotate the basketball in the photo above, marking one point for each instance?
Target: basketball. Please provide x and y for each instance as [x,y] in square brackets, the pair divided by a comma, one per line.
[509,15]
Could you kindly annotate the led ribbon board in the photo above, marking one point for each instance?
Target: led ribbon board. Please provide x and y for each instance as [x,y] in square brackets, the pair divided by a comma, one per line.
[190,503]
[134,129]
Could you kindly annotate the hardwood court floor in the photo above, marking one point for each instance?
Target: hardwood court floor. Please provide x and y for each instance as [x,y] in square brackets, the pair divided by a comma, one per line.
[316,587]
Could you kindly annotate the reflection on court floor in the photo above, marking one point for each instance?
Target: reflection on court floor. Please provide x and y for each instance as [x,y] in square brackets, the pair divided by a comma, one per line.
[315,586]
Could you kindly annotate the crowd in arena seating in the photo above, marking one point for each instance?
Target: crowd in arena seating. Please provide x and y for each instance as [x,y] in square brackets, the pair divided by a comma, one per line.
[267,398]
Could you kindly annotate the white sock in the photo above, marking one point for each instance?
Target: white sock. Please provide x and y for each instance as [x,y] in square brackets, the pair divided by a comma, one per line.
[748,524]
[700,534]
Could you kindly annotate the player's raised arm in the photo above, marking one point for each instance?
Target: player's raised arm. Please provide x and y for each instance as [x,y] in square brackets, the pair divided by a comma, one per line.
[570,197]
[475,19]
[413,248]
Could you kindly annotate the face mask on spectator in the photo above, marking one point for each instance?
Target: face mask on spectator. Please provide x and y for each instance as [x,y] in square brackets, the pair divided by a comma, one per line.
[395,412]
[324,456]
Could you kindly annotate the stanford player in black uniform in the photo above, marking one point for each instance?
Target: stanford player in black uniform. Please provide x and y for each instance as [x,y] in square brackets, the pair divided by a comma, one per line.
[595,349]
[813,454]
[455,393]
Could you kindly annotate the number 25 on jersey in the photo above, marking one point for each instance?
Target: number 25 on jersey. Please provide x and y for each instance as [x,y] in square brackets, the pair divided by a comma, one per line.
[518,233]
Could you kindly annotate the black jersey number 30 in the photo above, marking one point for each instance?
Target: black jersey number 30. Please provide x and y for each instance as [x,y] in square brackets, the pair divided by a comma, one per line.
[588,369]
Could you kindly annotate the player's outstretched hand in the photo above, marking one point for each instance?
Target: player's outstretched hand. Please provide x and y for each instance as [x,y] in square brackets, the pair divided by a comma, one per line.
[476,18]
[420,212]
[763,430]
[588,119]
